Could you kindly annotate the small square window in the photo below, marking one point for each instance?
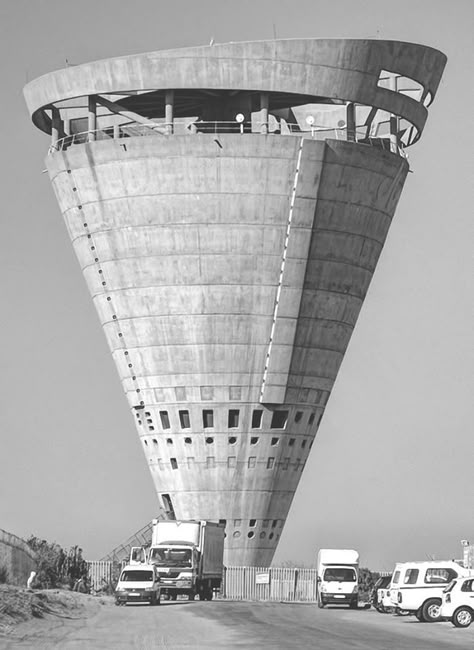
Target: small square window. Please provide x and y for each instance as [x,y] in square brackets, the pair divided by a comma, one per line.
[165,421]
[279,419]
[275,442]
[232,461]
[252,523]
[303,444]
[233,421]
[184,419]
[254,440]
[174,463]
[270,462]
[311,418]
[252,462]
[237,522]
[257,418]
[210,462]
[190,460]
[291,442]
[298,416]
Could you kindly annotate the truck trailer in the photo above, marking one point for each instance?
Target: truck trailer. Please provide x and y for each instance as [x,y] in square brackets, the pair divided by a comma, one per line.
[188,556]
[338,577]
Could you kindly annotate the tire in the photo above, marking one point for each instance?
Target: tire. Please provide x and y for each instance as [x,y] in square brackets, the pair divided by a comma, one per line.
[462,617]
[431,610]
[320,603]
[419,615]
[353,604]
[153,599]
[172,596]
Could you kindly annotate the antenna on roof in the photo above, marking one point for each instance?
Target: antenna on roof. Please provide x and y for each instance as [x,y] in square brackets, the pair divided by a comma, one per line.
[211,42]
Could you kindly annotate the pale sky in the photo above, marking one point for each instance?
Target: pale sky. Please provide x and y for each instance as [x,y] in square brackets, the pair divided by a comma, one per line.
[391,471]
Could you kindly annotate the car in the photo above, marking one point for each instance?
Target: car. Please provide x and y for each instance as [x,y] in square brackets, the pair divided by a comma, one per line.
[457,603]
[417,587]
[380,595]
[138,583]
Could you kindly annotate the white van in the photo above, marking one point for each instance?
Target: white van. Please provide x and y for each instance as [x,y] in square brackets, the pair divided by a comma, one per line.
[338,577]
[417,587]
[138,583]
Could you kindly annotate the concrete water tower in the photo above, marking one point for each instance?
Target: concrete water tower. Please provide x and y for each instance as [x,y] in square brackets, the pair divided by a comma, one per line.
[228,205]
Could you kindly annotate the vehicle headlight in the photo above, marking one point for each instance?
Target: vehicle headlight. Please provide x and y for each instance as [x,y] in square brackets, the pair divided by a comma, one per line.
[120,589]
[356,589]
[324,588]
[149,588]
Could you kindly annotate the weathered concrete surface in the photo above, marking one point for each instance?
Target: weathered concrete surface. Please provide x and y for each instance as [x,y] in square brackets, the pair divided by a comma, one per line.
[189,240]
[228,270]
[16,557]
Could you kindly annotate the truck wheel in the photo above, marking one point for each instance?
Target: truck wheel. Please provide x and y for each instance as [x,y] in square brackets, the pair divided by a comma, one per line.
[320,602]
[172,596]
[462,617]
[431,610]
[353,604]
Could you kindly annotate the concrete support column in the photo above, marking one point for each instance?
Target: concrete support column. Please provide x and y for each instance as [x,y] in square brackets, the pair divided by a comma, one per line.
[351,122]
[264,112]
[92,118]
[393,120]
[55,127]
[169,109]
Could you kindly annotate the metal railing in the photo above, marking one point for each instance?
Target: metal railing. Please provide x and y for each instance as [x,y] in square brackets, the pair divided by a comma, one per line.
[164,129]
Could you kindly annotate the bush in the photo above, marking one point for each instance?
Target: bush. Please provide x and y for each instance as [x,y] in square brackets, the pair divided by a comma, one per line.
[3,575]
[55,566]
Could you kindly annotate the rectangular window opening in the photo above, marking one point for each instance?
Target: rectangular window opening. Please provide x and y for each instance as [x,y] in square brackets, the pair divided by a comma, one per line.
[270,462]
[257,418]
[184,419]
[174,463]
[252,462]
[208,419]
[279,419]
[165,421]
[233,421]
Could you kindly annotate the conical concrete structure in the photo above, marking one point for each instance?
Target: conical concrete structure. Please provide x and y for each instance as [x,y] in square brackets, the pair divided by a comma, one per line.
[228,205]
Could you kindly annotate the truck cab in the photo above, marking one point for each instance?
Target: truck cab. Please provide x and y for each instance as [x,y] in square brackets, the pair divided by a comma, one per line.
[338,577]
[177,566]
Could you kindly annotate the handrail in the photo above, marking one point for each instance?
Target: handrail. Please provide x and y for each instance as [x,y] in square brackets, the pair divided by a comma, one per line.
[165,129]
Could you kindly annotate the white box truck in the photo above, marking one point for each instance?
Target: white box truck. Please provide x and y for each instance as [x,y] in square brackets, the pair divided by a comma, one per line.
[338,577]
[188,556]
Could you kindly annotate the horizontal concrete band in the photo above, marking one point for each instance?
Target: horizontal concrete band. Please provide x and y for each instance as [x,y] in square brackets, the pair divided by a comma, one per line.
[340,69]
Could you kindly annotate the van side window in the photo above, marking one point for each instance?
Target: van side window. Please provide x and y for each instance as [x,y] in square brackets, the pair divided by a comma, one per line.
[411,576]
[396,577]
[467,585]
[440,576]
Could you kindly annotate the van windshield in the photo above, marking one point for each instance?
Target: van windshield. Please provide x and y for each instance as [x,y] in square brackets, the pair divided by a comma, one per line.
[166,556]
[137,576]
[340,574]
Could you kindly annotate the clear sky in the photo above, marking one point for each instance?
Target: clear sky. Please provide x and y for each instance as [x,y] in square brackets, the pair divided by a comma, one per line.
[391,472]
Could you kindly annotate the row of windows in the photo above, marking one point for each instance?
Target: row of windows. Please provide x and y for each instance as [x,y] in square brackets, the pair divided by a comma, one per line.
[236,534]
[253,522]
[279,419]
[232,440]
[251,463]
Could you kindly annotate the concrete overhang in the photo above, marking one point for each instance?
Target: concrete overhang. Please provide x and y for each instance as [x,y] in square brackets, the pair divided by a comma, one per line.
[335,69]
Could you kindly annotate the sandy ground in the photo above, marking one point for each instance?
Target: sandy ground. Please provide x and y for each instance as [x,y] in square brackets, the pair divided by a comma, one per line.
[92,623]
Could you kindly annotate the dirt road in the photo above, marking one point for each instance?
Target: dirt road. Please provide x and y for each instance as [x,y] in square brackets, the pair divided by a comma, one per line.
[226,625]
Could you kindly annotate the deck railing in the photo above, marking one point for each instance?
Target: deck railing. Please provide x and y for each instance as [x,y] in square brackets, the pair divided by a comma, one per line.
[163,129]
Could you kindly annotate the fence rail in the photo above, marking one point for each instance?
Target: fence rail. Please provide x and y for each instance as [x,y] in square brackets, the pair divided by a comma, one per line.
[238,582]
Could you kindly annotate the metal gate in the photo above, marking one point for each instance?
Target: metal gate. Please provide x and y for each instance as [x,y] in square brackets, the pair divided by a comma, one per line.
[272,584]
